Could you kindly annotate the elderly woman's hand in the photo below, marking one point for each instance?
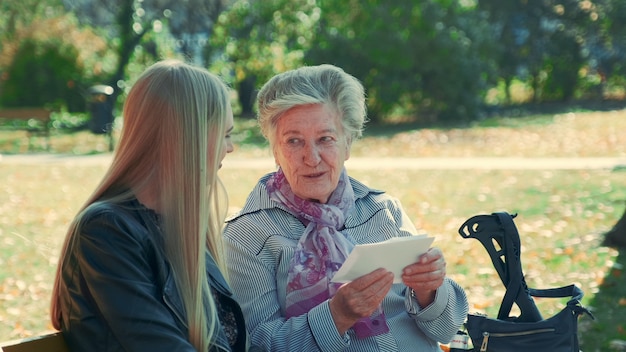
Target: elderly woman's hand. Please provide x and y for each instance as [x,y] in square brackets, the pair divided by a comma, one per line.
[426,275]
[359,298]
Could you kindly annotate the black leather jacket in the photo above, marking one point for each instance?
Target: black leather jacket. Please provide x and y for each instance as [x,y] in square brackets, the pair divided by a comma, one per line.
[120,292]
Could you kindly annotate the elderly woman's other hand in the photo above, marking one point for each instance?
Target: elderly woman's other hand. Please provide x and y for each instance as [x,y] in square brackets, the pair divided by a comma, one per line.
[426,275]
[359,298]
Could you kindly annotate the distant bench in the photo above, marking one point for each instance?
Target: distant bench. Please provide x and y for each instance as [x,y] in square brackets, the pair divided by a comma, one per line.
[35,121]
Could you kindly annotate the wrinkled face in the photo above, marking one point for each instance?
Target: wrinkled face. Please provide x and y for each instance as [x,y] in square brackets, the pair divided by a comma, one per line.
[311,149]
[227,143]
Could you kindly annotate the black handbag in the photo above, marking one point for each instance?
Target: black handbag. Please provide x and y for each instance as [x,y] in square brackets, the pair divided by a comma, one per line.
[529,331]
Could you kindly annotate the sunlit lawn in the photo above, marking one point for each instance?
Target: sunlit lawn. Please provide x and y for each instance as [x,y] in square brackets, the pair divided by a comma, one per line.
[562,214]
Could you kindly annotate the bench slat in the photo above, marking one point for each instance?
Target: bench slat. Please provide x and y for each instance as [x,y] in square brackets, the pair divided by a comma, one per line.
[25,114]
[41,115]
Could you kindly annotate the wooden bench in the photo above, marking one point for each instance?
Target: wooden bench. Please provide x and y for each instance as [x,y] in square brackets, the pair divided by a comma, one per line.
[51,342]
[35,121]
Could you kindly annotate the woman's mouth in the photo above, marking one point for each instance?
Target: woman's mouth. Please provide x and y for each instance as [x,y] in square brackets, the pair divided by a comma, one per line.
[315,175]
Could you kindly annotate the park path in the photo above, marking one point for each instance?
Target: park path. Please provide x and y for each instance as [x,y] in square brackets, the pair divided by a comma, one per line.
[361,163]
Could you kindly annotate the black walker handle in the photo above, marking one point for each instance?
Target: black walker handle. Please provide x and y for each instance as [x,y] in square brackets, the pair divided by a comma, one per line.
[500,228]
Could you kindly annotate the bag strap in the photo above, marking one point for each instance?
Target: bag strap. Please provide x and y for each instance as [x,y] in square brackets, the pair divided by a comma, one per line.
[566,291]
[500,228]
[572,291]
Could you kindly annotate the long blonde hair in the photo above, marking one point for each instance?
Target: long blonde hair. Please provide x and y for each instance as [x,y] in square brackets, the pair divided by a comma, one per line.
[171,141]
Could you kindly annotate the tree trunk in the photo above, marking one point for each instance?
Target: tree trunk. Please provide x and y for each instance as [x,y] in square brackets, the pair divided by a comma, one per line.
[247,96]
[616,237]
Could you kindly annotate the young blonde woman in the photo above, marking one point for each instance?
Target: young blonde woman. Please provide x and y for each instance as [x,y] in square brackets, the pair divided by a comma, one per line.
[141,266]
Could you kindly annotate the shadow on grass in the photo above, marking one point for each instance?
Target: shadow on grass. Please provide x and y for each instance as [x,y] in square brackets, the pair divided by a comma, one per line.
[608,331]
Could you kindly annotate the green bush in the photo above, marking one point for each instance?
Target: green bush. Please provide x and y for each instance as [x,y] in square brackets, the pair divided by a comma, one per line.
[44,74]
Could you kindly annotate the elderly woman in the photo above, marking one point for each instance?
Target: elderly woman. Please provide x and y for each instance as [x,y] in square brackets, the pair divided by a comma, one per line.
[300,223]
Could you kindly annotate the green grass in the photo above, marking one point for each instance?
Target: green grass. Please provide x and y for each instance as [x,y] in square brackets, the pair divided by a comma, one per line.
[562,214]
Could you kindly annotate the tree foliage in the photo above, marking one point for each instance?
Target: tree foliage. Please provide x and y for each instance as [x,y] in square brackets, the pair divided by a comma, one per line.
[434,60]
[42,74]
[45,55]
[547,43]
[126,22]
[132,28]
[406,55]
[605,40]
[256,39]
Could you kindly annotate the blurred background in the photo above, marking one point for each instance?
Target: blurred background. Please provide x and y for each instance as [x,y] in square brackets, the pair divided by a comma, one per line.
[444,78]
[432,61]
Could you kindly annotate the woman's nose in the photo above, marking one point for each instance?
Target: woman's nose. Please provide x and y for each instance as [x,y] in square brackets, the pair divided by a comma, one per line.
[311,155]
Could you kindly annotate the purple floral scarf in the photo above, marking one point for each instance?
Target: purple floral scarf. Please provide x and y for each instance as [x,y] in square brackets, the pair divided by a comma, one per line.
[320,251]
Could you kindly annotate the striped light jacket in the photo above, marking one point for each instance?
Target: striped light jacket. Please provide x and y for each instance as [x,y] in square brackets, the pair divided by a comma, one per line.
[260,242]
